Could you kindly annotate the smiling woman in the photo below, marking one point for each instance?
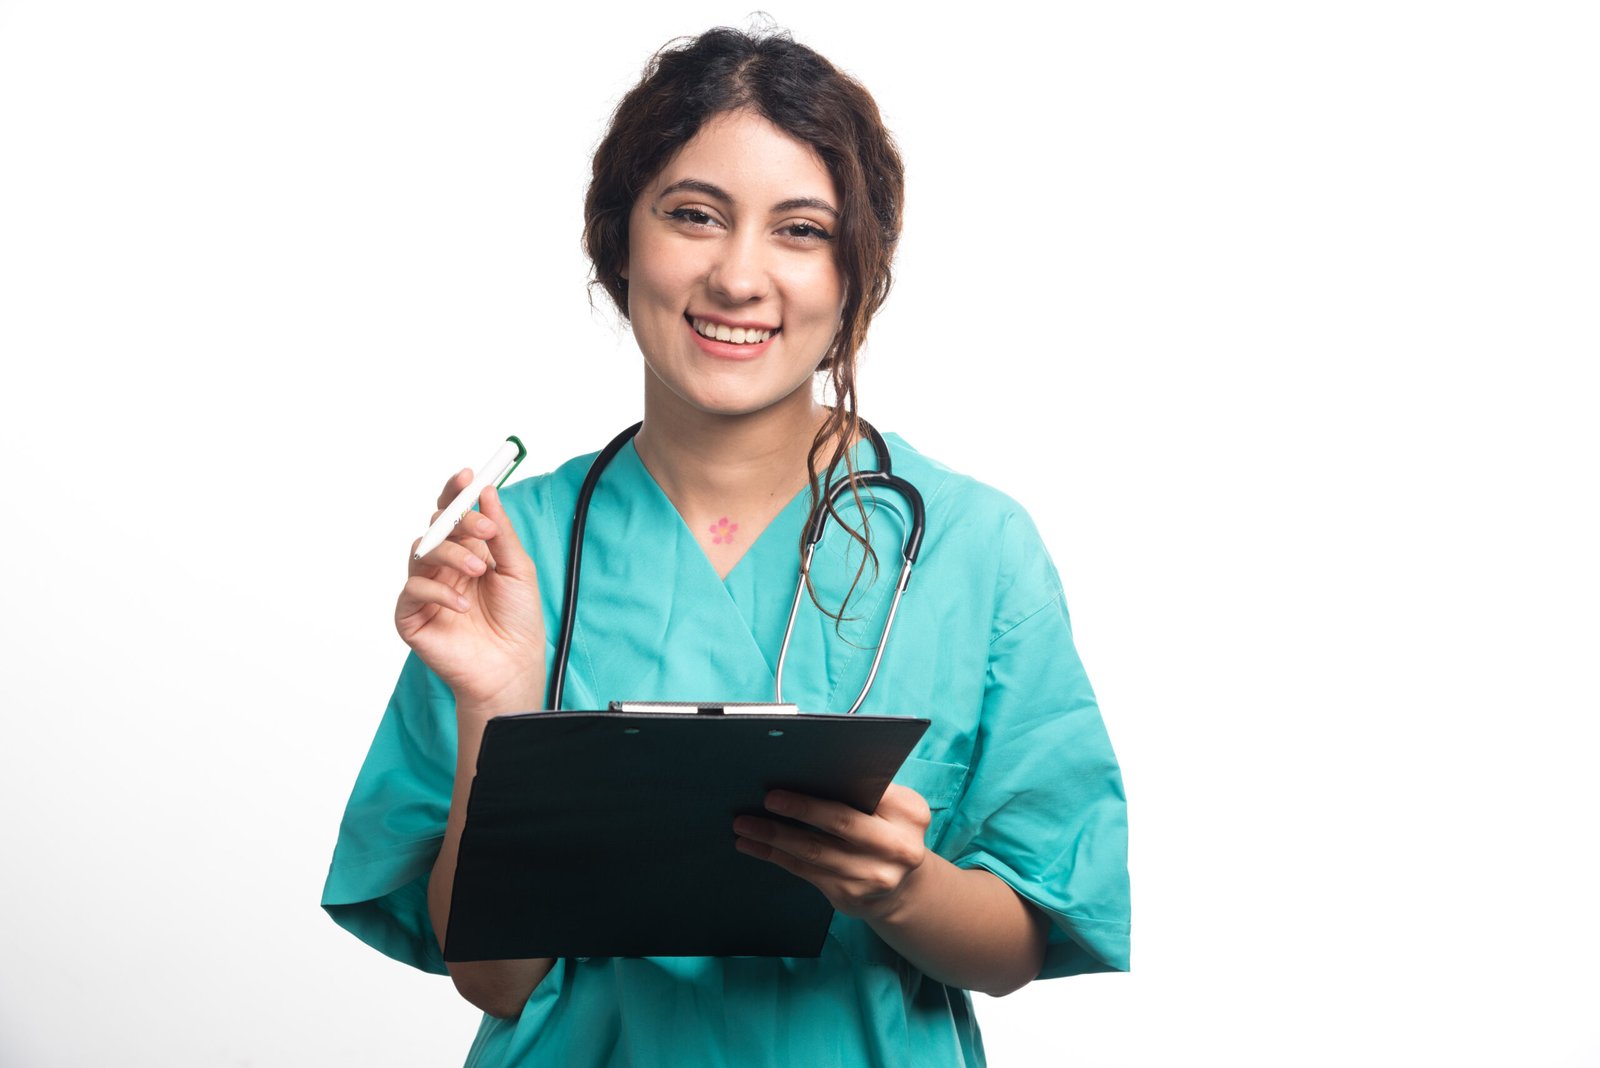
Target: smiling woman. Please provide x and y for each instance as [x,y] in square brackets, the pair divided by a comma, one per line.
[743,215]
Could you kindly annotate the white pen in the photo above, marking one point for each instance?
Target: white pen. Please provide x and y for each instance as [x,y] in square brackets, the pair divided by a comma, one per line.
[494,472]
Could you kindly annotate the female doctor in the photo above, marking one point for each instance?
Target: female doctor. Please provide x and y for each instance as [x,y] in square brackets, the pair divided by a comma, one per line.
[743,214]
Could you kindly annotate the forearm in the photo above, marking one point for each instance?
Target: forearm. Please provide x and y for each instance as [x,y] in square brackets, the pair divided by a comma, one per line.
[965,928]
[498,987]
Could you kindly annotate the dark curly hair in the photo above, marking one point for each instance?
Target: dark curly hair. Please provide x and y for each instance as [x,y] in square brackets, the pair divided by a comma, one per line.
[692,80]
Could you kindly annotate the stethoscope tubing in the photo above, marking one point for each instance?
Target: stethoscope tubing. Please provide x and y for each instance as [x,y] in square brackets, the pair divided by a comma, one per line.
[580,519]
[882,479]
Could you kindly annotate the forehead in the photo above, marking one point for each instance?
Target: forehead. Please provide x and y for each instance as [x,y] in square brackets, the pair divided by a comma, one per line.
[744,152]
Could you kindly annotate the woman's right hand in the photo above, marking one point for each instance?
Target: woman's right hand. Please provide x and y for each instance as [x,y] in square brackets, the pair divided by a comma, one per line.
[470,609]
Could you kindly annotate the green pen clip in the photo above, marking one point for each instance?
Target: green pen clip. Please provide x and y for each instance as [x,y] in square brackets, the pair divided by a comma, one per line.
[522,450]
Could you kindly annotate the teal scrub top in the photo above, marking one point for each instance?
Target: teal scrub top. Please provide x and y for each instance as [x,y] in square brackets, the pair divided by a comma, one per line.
[1016,767]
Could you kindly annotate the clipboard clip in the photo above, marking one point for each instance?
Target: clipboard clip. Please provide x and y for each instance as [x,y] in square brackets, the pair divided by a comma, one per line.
[708,708]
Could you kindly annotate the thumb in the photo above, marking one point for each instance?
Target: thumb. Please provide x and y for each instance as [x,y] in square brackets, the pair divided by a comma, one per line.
[902,802]
[510,559]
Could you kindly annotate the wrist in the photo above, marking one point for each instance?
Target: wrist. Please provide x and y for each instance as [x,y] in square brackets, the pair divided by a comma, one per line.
[524,696]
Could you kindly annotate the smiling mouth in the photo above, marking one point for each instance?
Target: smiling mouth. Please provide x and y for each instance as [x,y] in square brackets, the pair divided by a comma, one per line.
[736,335]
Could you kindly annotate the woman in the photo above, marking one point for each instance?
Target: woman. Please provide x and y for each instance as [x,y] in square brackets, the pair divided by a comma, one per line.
[743,214]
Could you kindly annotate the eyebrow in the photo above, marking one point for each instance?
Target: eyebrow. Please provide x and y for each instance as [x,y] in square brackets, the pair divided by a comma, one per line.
[716,192]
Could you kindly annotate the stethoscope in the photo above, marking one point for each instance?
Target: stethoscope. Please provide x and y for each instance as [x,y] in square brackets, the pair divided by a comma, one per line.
[881,479]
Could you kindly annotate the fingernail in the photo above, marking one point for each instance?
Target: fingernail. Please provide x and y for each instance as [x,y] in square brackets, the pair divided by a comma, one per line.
[475,565]
[462,604]
[778,801]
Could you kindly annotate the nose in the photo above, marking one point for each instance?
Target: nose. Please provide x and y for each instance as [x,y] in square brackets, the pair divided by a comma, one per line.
[739,273]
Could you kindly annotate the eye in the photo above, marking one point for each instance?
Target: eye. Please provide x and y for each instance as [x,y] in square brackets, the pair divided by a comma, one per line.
[692,216]
[804,231]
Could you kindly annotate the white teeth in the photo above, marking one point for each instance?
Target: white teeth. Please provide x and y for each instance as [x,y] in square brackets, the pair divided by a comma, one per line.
[738,335]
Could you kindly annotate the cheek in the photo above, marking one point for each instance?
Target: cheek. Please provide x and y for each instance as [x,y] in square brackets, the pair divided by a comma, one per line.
[832,283]
[657,275]
[824,294]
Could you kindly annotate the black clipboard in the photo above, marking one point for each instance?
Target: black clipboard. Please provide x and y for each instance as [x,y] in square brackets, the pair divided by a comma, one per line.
[593,834]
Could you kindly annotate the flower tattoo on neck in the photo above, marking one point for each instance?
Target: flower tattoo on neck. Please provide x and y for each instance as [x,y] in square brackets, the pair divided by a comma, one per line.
[722,531]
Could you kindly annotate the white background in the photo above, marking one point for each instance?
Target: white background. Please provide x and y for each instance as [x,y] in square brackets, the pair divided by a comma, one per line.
[1280,318]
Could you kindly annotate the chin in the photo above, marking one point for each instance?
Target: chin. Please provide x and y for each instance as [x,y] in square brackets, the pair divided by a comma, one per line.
[730,408]
[735,402]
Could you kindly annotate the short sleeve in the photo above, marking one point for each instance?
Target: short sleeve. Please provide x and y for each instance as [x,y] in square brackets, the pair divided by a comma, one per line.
[377,886]
[1044,808]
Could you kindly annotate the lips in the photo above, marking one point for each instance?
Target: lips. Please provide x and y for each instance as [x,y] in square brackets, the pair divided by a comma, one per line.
[754,338]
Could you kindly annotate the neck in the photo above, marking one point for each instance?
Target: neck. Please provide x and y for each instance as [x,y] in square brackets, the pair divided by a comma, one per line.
[707,462]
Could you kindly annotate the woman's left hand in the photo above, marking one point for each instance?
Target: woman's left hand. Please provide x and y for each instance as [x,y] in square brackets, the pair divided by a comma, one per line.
[862,863]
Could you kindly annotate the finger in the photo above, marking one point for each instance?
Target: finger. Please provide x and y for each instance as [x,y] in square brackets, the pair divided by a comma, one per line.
[837,819]
[451,556]
[903,804]
[470,525]
[820,852]
[868,872]
[510,559]
[895,841]
[420,591]
[467,524]
[470,532]
[458,482]
[861,884]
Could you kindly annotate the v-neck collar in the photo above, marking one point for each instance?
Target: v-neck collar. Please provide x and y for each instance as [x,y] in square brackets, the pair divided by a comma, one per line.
[760,586]
[786,518]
